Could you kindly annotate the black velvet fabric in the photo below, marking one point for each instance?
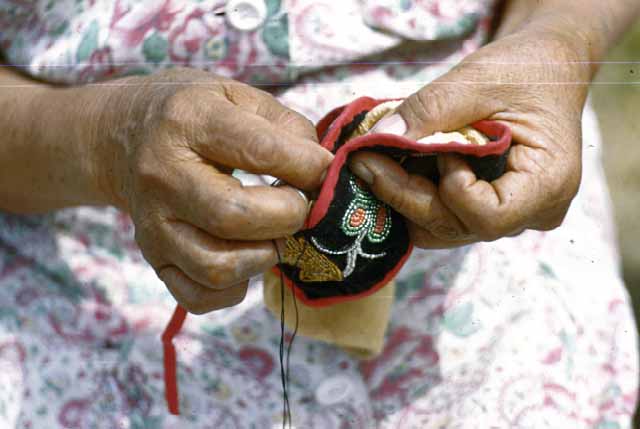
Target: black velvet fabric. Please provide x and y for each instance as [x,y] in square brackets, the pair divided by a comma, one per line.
[487,168]
[370,272]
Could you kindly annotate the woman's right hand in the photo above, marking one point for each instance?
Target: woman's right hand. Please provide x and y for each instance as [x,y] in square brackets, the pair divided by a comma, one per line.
[166,148]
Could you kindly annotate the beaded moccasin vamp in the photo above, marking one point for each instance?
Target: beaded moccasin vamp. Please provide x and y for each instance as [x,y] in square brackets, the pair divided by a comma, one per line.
[353,244]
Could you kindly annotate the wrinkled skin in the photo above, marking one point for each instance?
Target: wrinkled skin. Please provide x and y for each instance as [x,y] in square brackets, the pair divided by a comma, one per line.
[202,231]
[521,81]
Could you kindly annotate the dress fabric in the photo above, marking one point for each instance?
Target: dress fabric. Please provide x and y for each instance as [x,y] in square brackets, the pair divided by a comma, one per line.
[534,331]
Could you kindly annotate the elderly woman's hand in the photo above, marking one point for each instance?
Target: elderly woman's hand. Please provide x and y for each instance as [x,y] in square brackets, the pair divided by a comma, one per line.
[168,158]
[534,82]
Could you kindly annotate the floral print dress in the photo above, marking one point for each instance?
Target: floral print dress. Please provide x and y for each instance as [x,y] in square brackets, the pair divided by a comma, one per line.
[534,331]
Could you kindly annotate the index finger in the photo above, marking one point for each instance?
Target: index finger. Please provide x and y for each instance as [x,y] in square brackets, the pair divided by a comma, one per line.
[240,139]
[225,208]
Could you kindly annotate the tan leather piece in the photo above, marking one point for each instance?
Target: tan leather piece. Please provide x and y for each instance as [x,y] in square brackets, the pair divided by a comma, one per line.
[358,326]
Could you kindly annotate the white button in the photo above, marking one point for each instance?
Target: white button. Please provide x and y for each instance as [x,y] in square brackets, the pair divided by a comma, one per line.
[334,390]
[246,15]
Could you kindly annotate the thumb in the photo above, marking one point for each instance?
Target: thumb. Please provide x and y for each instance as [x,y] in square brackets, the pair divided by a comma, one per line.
[447,104]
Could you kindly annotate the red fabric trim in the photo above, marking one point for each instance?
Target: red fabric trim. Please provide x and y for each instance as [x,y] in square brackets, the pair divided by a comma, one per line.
[170,379]
[324,123]
[346,115]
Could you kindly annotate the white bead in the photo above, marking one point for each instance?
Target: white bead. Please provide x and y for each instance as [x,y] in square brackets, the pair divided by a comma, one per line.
[246,15]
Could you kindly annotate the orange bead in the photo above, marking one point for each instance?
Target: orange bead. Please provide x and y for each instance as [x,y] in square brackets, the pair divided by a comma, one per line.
[357,217]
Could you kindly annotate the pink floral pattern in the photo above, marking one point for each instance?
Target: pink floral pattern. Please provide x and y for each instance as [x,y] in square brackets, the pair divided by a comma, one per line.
[535,331]
[425,19]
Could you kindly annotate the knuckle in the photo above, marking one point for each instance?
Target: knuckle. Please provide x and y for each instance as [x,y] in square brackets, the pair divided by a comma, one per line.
[187,298]
[179,106]
[418,105]
[302,122]
[148,172]
[221,273]
[290,118]
[535,161]
[431,103]
[219,277]
[227,216]
[449,188]
[260,151]
[186,115]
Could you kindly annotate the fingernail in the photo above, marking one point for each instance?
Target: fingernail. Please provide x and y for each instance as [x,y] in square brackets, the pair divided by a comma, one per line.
[362,171]
[393,124]
[324,176]
[303,195]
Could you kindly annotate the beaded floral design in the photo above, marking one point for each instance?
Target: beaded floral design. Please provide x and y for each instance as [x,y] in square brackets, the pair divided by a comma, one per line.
[365,218]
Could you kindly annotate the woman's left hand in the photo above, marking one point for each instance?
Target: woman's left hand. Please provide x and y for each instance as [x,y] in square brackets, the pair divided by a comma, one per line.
[535,83]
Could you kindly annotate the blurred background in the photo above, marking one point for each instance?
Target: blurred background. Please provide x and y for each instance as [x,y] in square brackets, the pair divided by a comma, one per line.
[616,98]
